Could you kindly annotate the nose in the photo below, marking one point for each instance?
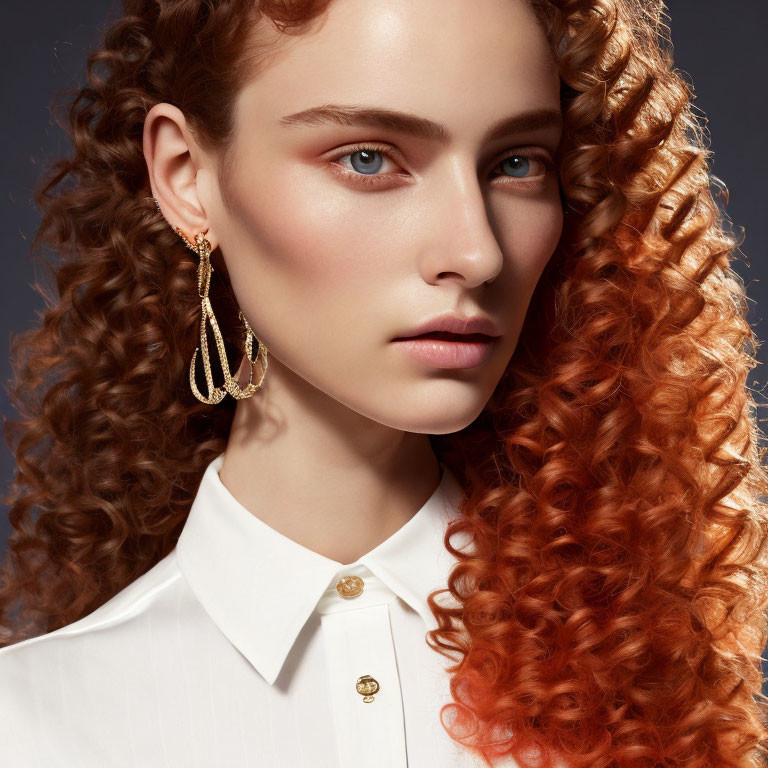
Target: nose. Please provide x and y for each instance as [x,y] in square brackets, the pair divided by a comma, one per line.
[461,244]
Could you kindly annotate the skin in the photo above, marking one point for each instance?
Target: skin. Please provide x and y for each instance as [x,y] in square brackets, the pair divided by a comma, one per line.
[333,451]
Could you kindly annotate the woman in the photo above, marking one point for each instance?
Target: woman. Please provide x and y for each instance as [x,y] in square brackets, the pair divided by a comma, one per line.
[274,527]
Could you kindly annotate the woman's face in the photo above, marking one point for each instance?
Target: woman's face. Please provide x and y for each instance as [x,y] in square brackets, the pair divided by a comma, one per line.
[342,231]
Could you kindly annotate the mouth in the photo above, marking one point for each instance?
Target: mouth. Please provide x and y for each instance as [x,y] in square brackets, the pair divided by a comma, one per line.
[446,336]
[442,349]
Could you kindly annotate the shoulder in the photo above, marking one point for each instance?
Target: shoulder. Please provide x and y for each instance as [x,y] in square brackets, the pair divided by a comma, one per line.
[125,607]
[45,676]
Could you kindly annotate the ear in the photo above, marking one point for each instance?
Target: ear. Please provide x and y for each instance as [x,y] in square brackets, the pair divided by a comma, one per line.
[173,160]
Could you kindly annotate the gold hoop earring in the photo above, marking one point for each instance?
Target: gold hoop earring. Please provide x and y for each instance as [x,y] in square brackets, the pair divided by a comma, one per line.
[202,248]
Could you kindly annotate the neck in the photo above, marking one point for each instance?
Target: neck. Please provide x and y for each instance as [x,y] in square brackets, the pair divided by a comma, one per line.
[322,474]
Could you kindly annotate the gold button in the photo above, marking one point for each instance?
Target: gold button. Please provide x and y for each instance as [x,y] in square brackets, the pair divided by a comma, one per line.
[366,686]
[350,586]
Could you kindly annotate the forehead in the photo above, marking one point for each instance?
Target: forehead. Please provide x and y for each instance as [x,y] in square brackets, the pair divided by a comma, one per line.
[455,61]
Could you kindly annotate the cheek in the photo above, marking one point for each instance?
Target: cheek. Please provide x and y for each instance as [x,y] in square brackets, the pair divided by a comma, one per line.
[298,232]
[529,237]
[304,264]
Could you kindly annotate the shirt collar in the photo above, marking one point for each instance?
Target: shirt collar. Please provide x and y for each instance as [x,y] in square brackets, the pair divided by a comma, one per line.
[260,587]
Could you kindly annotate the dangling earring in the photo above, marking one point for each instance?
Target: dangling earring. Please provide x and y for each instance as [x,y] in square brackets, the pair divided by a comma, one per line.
[202,248]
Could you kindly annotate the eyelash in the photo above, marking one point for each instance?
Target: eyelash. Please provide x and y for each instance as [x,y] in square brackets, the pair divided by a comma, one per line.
[376,179]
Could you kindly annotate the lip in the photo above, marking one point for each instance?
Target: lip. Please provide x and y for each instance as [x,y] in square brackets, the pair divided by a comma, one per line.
[474,350]
[442,353]
[452,323]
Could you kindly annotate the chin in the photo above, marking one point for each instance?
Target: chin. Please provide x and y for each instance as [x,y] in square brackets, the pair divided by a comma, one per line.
[439,419]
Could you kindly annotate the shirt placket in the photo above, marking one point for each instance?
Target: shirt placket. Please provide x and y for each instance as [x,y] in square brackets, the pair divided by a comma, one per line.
[364,685]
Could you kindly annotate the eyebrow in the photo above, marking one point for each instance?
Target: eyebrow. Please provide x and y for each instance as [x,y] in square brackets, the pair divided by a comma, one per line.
[420,127]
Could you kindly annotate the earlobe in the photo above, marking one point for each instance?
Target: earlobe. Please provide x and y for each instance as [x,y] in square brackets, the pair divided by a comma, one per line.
[179,231]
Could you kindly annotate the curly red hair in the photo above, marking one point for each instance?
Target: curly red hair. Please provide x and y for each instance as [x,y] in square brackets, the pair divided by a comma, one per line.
[609,599]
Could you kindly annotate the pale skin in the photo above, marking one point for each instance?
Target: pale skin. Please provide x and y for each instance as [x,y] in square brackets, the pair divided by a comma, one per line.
[333,451]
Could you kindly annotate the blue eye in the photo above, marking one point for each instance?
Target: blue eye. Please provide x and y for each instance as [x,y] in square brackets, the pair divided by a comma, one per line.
[369,160]
[517,165]
[362,164]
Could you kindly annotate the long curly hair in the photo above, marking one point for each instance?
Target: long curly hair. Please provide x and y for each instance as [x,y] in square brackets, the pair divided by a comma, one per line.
[609,598]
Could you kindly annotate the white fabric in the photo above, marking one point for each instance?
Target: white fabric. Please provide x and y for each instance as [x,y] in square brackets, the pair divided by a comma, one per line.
[236,650]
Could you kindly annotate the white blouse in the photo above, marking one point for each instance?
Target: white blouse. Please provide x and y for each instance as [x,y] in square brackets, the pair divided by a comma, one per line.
[239,649]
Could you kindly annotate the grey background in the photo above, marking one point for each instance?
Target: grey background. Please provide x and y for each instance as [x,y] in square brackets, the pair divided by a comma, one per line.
[718,45]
